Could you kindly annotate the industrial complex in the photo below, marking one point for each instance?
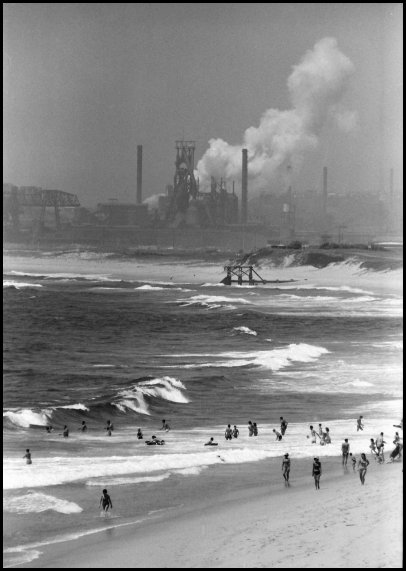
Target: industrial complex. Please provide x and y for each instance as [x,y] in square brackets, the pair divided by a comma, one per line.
[185,216]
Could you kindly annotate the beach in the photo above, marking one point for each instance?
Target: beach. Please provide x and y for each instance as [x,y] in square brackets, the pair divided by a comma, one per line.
[90,337]
[243,516]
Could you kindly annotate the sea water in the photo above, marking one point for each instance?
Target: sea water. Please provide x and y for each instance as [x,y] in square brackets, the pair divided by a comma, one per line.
[96,338]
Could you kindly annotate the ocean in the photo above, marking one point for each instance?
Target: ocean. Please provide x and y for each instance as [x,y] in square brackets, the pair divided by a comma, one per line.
[96,337]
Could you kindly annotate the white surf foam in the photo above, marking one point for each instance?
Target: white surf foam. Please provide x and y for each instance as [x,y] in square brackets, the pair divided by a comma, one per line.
[166,388]
[38,502]
[19,285]
[27,417]
[246,330]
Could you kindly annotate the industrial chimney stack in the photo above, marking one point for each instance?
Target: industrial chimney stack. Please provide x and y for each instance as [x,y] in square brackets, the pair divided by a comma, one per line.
[244,186]
[139,174]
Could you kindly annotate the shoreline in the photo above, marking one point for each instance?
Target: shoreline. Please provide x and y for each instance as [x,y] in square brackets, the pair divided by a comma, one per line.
[232,515]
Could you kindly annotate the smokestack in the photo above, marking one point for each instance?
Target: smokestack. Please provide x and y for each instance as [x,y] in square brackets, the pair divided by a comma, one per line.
[139,174]
[324,190]
[244,186]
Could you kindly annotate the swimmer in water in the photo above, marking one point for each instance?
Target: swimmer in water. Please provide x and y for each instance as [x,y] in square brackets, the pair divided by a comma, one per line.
[211,442]
[27,456]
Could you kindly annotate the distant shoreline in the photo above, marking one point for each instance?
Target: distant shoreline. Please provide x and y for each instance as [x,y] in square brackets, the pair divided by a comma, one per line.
[380,259]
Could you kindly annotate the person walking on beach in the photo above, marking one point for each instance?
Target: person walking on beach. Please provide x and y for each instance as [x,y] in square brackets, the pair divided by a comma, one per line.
[396,439]
[255,429]
[236,432]
[250,428]
[286,468]
[65,432]
[277,434]
[345,450]
[105,502]
[363,464]
[228,435]
[284,425]
[316,472]
[109,428]
[27,456]
[83,428]
[140,436]
[360,426]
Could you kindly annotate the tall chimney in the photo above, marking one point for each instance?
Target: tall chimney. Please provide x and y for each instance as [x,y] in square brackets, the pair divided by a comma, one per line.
[324,190]
[244,186]
[139,174]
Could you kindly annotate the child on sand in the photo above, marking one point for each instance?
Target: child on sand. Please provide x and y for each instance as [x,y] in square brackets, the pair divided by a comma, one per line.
[362,466]
[105,502]
[286,468]
[27,456]
[353,460]
[316,472]
[278,434]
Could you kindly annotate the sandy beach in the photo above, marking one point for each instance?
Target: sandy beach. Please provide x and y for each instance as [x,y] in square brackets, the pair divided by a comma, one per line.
[244,516]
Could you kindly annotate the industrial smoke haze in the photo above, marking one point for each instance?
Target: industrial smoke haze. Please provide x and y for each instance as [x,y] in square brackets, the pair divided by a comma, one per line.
[316,87]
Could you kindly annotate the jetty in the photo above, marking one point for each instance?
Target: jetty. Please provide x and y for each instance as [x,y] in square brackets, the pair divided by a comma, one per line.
[240,274]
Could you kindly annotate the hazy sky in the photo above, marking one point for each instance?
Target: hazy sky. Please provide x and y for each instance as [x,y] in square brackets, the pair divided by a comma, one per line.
[84,84]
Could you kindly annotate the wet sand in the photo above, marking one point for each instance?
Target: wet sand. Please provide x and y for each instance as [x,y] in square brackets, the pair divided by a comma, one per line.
[243,516]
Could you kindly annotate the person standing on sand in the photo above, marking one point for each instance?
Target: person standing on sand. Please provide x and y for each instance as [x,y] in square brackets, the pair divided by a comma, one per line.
[105,502]
[345,450]
[380,444]
[360,426]
[316,472]
[363,464]
[286,468]
[27,456]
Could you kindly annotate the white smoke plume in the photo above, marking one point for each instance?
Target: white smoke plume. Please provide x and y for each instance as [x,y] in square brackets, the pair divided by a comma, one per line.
[316,87]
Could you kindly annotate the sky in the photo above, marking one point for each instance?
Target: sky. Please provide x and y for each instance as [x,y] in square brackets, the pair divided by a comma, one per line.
[84,84]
